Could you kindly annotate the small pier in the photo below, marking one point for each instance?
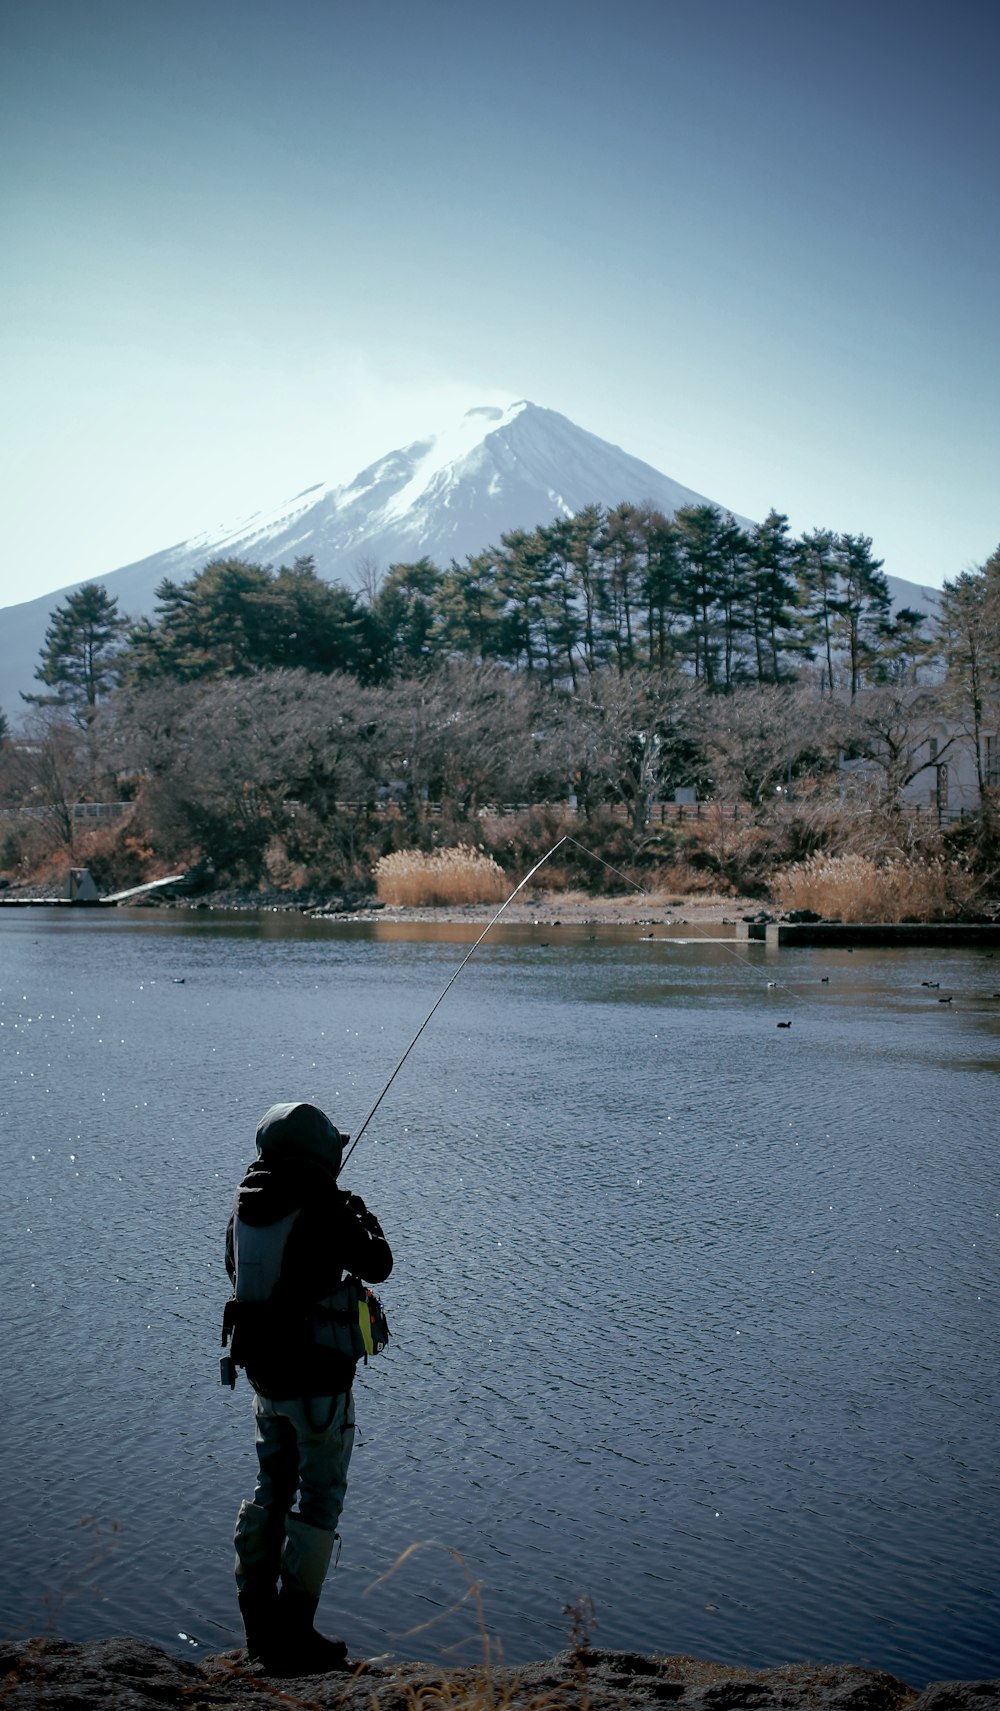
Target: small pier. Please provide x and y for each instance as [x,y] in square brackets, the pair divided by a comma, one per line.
[82,893]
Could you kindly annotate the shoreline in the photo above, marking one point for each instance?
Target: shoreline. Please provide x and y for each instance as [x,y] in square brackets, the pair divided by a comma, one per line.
[575,909]
[139,1676]
[537,907]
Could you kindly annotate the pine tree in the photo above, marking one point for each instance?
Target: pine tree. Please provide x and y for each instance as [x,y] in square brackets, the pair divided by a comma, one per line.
[659,550]
[522,573]
[703,571]
[905,644]
[970,630]
[315,624]
[467,609]
[773,602]
[818,569]
[403,610]
[736,575]
[863,604]
[578,537]
[561,591]
[79,660]
[619,546]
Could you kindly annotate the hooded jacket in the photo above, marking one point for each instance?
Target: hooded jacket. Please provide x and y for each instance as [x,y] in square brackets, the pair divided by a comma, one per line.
[292,1238]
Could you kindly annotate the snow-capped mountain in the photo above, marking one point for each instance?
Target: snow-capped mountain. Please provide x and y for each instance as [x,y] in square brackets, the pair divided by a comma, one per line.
[443,497]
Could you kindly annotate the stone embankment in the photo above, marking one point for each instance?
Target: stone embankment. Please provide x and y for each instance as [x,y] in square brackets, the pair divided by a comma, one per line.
[132,1675]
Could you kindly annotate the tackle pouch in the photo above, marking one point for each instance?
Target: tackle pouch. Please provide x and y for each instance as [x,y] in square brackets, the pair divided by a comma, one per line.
[374,1324]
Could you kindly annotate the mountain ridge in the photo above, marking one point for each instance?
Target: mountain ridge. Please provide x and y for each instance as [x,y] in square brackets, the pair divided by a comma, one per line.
[447,495]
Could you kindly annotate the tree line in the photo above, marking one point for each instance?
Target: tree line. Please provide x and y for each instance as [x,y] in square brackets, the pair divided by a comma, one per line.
[609,660]
[608,588]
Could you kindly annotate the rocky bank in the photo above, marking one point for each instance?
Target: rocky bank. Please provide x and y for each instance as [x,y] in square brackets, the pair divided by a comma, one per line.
[135,1676]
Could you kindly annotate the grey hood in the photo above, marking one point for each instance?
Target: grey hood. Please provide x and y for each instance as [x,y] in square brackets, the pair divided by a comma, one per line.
[300,1131]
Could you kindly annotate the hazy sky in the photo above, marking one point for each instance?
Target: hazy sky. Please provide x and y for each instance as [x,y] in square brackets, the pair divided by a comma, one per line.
[248,245]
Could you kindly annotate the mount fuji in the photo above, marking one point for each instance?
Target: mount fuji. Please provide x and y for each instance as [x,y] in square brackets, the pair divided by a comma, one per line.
[443,497]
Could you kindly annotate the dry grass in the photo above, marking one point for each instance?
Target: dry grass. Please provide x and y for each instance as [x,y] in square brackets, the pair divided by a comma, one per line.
[855,888]
[426,879]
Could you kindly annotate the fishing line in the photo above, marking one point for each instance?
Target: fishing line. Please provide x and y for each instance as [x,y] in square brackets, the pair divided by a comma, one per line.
[565,839]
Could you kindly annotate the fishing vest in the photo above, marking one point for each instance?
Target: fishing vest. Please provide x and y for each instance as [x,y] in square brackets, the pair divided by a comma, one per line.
[269,1331]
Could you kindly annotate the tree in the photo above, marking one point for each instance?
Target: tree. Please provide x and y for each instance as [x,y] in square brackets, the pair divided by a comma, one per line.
[703,572]
[819,585]
[225,760]
[904,646]
[659,547]
[862,605]
[773,598]
[466,736]
[577,539]
[468,607]
[214,625]
[522,571]
[234,618]
[50,768]
[900,728]
[763,736]
[318,625]
[80,656]
[637,738]
[970,632]
[619,547]
[403,611]
[734,560]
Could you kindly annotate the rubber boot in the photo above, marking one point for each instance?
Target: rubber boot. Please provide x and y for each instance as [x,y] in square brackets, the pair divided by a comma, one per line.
[261,1624]
[304,1562]
[259,1539]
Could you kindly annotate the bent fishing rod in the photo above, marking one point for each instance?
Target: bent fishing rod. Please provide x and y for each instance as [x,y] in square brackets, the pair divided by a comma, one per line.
[565,839]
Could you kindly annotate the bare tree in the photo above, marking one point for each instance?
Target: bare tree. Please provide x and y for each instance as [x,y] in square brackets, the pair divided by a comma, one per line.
[762,738]
[637,737]
[468,735]
[369,576]
[48,767]
[901,729]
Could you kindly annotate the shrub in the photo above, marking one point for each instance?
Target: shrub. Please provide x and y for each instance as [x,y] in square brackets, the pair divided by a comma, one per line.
[457,875]
[855,888]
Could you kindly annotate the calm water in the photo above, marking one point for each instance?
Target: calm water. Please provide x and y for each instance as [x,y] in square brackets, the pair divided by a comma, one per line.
[692,1314]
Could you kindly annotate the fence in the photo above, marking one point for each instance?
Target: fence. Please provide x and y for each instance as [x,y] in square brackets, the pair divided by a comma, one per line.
[97,812]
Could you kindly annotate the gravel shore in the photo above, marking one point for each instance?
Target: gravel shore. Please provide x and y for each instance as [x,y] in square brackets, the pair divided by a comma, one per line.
[577,909]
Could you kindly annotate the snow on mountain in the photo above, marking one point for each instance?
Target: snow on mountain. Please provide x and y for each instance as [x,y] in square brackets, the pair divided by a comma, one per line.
[443,497]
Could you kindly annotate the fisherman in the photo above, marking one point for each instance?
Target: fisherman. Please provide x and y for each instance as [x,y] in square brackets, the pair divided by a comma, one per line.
[296,1246]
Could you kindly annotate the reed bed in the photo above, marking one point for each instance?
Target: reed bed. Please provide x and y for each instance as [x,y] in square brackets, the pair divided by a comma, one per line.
[425,879]
[855,888]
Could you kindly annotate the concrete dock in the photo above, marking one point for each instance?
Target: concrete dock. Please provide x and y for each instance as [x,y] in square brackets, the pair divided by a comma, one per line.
[847,935]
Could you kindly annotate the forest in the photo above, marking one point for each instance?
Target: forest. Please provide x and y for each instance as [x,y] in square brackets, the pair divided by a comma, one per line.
[275,729]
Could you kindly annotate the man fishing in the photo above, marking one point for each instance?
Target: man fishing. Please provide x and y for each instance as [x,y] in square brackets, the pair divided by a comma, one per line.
[296,1246]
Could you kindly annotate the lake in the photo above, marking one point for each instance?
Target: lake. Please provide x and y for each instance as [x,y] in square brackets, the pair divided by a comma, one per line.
[692,1315]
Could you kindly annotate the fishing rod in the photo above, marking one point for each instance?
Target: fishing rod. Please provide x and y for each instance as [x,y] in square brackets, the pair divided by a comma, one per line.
[565,839]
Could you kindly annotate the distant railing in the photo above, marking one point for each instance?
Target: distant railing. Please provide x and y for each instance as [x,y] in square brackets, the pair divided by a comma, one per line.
[97,811]
[101,810]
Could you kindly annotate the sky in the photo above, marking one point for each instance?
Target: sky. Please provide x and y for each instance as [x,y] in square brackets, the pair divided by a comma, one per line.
[250,245]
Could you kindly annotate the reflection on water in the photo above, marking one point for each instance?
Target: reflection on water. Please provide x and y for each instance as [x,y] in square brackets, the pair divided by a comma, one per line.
[690,1313]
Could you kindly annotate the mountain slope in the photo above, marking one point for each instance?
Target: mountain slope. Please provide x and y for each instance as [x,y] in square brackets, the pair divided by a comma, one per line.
[443,497]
